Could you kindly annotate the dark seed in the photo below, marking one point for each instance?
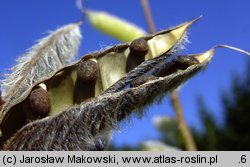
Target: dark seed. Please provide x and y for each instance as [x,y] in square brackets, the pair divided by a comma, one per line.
[39,102]
[139,47]
[87,71]
[183,62]
[141,80]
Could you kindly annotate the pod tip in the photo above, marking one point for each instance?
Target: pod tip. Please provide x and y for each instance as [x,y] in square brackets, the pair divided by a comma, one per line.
[206,56]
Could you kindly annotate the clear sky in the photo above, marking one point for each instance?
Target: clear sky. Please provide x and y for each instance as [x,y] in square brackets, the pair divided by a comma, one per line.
[224,22]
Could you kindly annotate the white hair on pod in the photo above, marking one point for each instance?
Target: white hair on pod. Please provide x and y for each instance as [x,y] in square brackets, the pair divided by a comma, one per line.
[42,60]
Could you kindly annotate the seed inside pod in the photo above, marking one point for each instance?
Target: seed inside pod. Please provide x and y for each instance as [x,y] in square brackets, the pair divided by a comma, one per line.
[179,63]
[39,102]
[141,80]
[183,62]
[139,47]
[87,71]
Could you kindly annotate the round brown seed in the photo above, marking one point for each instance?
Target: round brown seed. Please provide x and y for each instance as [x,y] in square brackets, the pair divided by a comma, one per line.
[39,102]
[87,71]
[139,47]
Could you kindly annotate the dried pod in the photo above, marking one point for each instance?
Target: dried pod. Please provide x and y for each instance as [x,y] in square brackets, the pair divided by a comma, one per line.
[99,145]
[139,47]
[73,127]
[40,63]
[87,71]
[39,102]
[1,100]
[141,80]
[1,103]
[112,63]
[183,62]
[178,63]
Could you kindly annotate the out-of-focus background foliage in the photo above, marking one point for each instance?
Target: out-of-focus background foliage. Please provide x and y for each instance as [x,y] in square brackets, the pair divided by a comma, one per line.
[215,102]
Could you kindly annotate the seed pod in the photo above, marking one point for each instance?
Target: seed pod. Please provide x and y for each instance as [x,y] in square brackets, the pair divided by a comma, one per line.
[39,102]
[183,62]
[87,71]
[139,47]
[114,26]
[1,100]
[113,64]
[99,145]
[178,63]
[41,62]
[141,80]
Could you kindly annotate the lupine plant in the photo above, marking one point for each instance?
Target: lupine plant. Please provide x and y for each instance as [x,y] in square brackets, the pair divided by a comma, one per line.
[51,102]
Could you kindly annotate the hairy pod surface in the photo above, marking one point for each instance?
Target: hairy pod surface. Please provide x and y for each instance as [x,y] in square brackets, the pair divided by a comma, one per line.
[141,80]
[40,63]
[113,64]
[102,113]
[39,102]
[1,100]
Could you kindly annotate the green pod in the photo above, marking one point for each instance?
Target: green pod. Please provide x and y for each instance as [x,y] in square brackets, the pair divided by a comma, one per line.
[114,26]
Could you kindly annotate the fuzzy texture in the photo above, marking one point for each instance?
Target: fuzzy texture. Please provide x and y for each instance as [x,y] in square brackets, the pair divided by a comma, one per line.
[84,126]
[146,66]
[180,44]
[1,100]
[39,63]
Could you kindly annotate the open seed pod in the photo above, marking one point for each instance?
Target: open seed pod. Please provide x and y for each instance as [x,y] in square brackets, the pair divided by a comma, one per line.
[1,100]
[39,63]
[65,87]
[83,126]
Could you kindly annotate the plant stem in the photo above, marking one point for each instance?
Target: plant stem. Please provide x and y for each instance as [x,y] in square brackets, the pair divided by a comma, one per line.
[186,134]
[148,15]
[189,141]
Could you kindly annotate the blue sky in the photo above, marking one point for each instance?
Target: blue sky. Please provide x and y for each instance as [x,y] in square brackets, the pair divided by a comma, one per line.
[224,22]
